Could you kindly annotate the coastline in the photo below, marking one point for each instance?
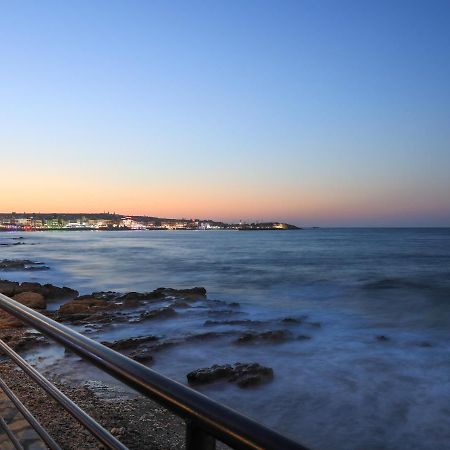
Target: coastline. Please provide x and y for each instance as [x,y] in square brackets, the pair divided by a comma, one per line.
[138,422]
[401,303]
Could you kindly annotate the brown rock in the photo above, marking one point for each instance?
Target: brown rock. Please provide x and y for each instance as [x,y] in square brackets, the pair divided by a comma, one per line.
[31,299]
[83,305]
[8,288]
[8,321]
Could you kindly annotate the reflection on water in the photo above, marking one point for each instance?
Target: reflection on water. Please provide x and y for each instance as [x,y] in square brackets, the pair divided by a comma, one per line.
[343,389]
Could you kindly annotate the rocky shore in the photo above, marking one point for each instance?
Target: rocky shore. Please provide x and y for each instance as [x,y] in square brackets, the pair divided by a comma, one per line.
[138,422]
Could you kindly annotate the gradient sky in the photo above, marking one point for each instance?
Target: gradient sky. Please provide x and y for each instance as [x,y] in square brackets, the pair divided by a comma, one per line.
[313,112]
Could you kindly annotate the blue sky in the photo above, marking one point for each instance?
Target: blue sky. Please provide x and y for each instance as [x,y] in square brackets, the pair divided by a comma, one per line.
[314,112]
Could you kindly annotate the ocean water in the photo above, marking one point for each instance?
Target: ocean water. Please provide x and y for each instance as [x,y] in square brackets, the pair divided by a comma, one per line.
[343,388]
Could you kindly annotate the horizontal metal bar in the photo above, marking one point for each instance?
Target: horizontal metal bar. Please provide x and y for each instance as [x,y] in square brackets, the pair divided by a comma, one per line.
[85,419]
[29,417]
[225,424]
[17,445]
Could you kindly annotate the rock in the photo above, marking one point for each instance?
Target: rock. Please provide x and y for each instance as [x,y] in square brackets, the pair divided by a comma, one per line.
[144,355]
[160,313]
[130,343]
[51,291]
[8,321]
[210,323]
[8,288]
[23,341]
[208,335]
[382,338]
[118,431]
[210,374]
[21,264]
[244,375]
[47,290]
[291,320]
[84,305]
[192,292]
[136,297]
[31,299]
[276,336]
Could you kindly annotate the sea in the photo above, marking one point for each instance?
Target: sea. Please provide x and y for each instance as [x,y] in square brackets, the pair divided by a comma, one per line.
[375,373]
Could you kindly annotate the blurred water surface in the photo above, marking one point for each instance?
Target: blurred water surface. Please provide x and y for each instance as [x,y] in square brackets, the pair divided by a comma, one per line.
[343,389]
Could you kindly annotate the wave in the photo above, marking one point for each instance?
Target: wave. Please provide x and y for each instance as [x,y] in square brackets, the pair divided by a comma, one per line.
[399,283]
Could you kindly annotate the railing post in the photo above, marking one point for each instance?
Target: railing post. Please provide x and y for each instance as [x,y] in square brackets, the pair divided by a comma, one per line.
[198,439]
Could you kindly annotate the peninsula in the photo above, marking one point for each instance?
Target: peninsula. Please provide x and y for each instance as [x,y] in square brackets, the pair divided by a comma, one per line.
[112,221]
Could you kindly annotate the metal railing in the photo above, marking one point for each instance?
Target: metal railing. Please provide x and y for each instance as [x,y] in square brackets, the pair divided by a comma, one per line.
[206,420]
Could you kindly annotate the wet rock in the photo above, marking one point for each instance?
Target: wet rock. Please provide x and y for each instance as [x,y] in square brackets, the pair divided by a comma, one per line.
[142,356]
[210,374]
[206,336]
[8,321]
[31,299]
[194,292]
[138,297]
[84,305]
[30,287]
[244,375]
[24,341]
[106,295]
[8,288]
[276,336]
[21,264]
[49,291]
[291,320]
[130,343]
[165,312]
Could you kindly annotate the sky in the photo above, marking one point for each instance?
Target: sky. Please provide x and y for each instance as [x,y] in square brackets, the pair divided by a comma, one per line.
[326,113]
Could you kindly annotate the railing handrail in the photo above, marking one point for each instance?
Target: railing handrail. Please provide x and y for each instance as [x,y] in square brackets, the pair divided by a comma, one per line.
[217,420]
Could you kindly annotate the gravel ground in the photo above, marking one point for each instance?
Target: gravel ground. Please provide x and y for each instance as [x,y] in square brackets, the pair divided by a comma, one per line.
[139,423]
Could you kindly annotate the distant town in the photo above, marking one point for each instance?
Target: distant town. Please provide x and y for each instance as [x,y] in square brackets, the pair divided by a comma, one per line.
[112,221]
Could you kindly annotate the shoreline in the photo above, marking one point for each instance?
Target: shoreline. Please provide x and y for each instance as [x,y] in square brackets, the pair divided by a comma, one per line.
[138,422]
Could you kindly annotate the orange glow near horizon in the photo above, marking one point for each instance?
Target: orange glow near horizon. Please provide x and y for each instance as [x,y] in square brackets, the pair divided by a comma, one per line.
[230,203]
